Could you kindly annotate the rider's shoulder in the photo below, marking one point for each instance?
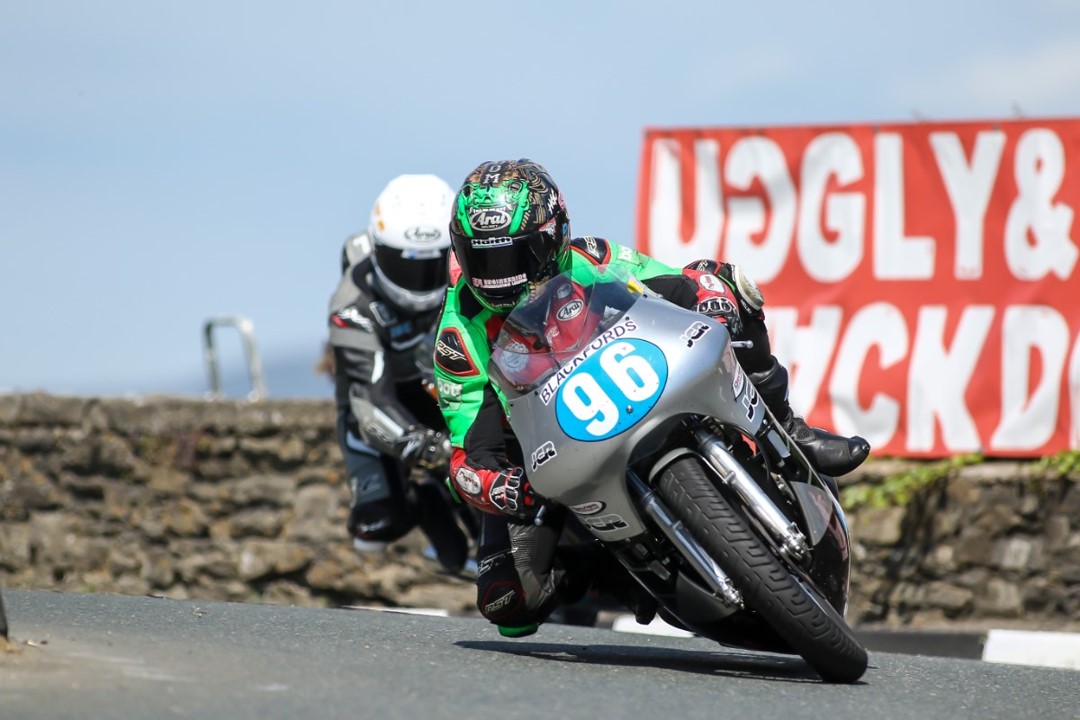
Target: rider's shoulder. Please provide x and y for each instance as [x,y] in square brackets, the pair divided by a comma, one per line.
[353,307]
[460,306]
[354,285]
[356,249]
[460,349]
[601,251]
[596,250]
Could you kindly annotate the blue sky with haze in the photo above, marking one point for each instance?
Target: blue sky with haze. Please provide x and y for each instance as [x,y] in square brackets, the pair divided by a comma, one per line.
[161,163]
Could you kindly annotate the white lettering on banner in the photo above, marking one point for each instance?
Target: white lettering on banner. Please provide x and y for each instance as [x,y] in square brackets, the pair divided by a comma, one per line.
[969,189]
[807,349]
[760,158]
[1027,421]
[944,375]
[1039,169]
[896,257]
[876,325]
[827,260]
[938,374]
[665,214]
[936,278]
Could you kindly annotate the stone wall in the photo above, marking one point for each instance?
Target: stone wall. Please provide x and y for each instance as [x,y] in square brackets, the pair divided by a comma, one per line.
[239,501]
[988,544]
[192,499]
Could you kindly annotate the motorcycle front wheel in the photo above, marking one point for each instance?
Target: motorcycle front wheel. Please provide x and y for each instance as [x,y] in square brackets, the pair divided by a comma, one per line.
[788,603]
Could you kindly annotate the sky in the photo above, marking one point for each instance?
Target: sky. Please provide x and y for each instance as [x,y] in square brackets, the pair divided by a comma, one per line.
[163,163]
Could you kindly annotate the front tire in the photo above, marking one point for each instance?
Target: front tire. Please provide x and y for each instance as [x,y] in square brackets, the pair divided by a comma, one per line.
[787,602]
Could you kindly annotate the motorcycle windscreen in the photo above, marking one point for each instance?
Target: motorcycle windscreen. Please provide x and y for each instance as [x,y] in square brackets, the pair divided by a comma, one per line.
[556,323]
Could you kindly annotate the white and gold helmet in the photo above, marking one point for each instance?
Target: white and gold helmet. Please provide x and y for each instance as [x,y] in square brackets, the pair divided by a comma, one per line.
[410,239]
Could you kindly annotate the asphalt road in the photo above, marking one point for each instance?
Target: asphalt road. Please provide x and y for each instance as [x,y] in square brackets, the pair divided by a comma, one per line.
[120,657]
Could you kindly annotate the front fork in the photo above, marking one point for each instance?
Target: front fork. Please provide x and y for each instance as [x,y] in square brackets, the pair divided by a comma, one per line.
[718,581]
[789,538]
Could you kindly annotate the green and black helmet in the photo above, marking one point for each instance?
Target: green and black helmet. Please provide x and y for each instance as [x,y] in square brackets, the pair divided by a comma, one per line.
[508,229]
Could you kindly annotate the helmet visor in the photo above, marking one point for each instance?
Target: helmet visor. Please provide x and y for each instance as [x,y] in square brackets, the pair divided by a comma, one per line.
[500,268]
[418,271]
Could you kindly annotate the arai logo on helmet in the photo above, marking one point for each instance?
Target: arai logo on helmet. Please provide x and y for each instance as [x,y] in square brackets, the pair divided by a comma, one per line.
[421,234]
[489,218]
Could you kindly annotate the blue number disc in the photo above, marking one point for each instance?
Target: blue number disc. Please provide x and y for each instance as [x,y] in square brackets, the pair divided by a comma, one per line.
[612,390]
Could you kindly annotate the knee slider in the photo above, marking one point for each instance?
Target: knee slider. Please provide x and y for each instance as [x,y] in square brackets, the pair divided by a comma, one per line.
[503,603]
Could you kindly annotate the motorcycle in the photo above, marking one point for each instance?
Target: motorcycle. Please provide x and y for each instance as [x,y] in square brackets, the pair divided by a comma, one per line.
[636,415]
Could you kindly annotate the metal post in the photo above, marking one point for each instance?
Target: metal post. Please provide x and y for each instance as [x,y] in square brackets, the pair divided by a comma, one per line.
[247,334]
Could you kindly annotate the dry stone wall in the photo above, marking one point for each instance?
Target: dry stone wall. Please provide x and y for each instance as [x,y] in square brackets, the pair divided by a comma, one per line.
[993,544]
[243,501]
[192,499]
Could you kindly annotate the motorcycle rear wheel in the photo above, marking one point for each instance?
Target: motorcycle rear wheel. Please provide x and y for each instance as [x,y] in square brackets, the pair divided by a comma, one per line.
[788,603]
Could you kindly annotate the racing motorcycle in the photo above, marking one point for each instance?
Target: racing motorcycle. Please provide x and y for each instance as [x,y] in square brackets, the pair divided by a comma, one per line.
[635,414]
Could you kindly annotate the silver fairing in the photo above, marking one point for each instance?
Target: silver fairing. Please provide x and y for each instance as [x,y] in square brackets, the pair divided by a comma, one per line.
[581,463]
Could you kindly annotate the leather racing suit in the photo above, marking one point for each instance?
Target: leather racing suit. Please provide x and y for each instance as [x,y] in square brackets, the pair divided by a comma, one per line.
[386,412]
[523,572]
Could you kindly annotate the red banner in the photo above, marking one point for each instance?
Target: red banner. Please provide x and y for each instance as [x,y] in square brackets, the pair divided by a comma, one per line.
[921,280]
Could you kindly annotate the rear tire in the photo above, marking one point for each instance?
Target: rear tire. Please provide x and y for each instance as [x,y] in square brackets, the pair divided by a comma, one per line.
[788,603]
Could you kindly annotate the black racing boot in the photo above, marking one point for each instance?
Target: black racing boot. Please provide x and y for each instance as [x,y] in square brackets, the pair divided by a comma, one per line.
[831,454]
